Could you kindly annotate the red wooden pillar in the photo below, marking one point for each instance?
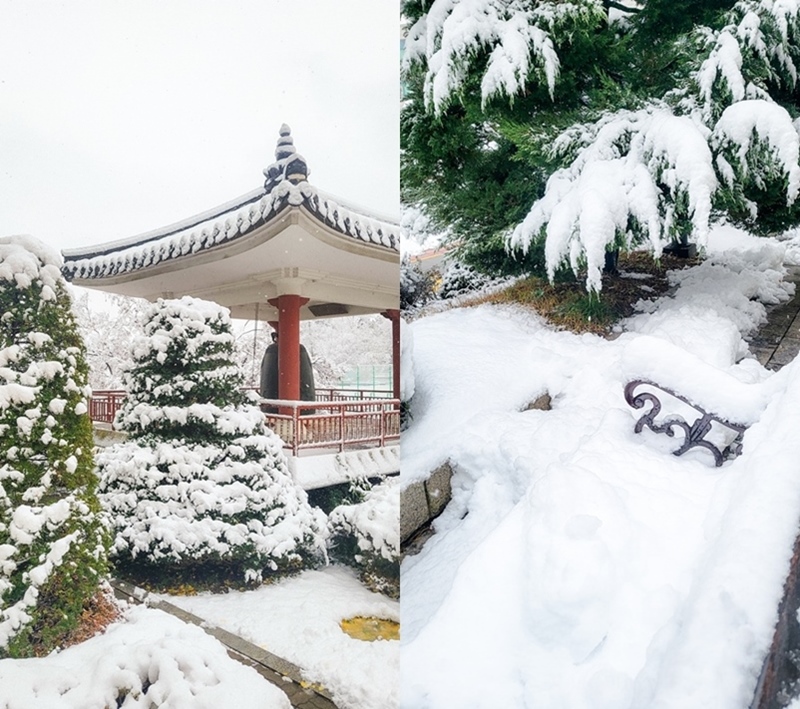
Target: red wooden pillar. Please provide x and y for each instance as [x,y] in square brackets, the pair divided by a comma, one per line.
[394,316]
[289,344]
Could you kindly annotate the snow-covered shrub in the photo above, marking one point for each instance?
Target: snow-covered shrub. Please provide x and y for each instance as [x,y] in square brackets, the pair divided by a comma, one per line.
[416,286]
[201,491]
[460,279]
[52,542]
[366,536]
[330,497]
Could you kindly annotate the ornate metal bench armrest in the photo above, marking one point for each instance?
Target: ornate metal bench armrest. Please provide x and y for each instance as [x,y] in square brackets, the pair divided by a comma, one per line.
[694,433]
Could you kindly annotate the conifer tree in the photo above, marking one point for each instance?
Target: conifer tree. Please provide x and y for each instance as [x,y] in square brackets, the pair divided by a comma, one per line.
[638,123]
[201,492]
[53,546]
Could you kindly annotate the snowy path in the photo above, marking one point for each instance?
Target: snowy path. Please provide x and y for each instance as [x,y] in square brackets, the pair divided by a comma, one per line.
[778,342]
[298,619]
[286,676]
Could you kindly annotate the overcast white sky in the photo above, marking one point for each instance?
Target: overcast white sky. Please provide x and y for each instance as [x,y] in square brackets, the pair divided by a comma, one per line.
[121,117]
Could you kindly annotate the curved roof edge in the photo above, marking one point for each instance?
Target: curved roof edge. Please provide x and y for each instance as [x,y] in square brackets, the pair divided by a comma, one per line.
[224,223]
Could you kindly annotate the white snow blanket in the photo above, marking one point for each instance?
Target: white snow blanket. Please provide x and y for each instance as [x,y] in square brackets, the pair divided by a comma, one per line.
[582,565]
[298,618]
[150,659]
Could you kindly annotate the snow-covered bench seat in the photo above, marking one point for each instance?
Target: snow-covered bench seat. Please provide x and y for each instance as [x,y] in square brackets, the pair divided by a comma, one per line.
[708,404]
[726,446]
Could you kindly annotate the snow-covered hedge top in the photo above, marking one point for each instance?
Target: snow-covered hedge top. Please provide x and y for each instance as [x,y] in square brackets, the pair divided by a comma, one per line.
[225,224]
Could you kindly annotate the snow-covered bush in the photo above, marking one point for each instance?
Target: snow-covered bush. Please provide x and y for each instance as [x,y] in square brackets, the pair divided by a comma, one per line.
[460,279]
[148,659]
[366,536]
[52,542]
[417,287]
[201,491]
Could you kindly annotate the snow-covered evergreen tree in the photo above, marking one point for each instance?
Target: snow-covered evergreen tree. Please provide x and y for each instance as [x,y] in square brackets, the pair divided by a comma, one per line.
[645,121]
[53,545]
[201,491]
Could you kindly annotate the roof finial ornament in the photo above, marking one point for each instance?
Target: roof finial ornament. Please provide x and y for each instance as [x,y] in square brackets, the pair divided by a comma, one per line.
[289,164]
[285,146]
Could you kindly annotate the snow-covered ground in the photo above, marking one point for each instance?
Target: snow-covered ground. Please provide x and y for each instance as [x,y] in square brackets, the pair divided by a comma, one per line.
[580,564]
[160,660]
[298,619]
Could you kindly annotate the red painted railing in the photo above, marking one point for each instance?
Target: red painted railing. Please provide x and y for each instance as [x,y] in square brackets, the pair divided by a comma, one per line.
[335,425]
[103,405]
[338,419]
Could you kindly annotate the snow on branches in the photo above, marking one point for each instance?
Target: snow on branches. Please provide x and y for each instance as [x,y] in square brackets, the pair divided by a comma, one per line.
[757,140]
[756,48]
[648,160]
[623,185]
[52,542]
[511,40]
[201,492]
[655,175]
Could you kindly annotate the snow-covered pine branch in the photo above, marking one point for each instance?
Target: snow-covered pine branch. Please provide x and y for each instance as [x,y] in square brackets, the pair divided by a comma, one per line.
[640,175]
[756,140]
[511,41]
[757,48]
[654,175]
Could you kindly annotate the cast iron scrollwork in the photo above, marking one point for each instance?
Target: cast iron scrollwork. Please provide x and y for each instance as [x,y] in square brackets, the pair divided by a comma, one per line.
[694,434]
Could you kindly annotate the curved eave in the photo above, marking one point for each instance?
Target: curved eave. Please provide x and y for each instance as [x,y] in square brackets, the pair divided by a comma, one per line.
[230,223]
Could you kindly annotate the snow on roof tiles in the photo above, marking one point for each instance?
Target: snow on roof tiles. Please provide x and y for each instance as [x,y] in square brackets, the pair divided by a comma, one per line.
[177,240]
[230,221]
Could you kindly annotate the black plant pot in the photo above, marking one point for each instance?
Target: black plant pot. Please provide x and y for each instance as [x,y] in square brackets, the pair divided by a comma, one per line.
[681,250]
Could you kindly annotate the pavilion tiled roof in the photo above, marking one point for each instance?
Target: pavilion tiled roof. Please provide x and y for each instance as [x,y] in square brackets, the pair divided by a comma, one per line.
[286,186]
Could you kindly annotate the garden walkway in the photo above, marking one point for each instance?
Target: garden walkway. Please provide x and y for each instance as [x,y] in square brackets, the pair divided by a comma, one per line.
[282,673]
[778,342]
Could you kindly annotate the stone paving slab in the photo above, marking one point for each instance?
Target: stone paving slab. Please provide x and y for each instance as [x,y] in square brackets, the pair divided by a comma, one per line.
[284,674]
[778,341]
